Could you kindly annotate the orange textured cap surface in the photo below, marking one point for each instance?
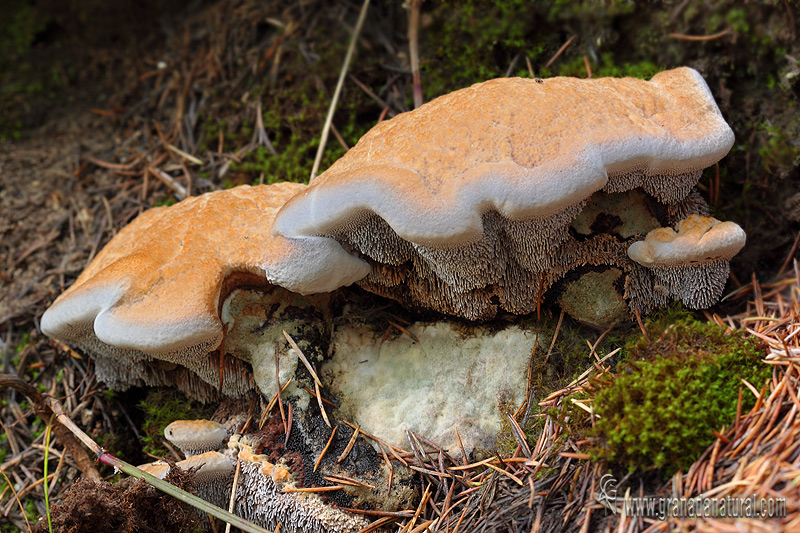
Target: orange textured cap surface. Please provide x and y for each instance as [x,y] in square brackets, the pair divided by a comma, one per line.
[156,285]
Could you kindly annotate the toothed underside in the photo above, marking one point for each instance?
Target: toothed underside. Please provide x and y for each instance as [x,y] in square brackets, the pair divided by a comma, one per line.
[697,285]
[260,500]
[510,268]
[463,204]
[199,380]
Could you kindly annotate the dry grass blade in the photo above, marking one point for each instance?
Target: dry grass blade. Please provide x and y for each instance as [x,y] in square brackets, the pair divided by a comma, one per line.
[178,189]
[312,489]
[392,449]
[381,102]
[519,436]
[10,485]
[278,383]
[344,480]
[377,524]
[699,38]
[260,134]
[184,155]
[555,336]
[404,331]
[321,405]
[234,488]
[271,404]
[413,49]
[329,118]
[517,480]
[423,501]
[560,51]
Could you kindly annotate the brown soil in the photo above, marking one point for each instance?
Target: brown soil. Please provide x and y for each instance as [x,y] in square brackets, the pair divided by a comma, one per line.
[91,506]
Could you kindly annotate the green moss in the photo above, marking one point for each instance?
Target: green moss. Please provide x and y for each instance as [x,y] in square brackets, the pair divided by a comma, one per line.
[24,341]
[660,408]
[643,69]
[166,202]
[162,407]
[476,41]
[777,151]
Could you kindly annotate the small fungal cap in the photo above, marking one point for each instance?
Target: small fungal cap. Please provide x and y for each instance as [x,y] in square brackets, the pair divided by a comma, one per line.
[695,239]
[159,469]
[211,467]
[196,436]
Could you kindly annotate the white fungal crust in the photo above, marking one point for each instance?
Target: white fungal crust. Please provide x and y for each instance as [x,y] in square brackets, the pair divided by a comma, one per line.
[689,263]
[470,195]
[153,292]
[196,436]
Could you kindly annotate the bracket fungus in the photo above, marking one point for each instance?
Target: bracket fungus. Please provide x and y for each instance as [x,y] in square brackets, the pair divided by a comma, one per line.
[154,292]
[486,200]
[464,205]
[691,261]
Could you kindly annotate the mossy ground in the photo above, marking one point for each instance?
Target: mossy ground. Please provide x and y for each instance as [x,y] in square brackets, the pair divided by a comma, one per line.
[553,369]
[669,393]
